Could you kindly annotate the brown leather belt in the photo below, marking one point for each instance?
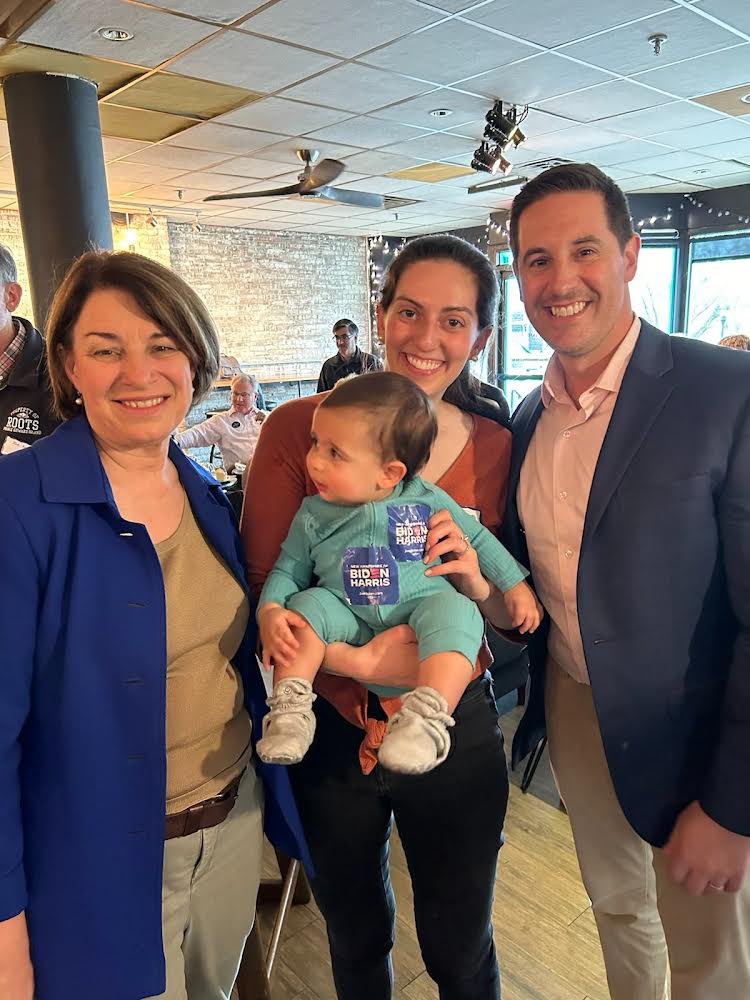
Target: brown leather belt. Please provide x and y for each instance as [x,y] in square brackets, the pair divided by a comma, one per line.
[203,815]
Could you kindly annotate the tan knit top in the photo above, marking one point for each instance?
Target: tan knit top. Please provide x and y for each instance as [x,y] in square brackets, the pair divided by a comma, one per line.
[208,728]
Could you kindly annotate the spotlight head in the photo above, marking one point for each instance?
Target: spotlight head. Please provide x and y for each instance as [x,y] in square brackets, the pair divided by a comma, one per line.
[483,158]
[490,159]
[502,126]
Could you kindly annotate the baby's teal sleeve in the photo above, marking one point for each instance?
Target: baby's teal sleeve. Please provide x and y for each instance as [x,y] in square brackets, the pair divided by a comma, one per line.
[293,570]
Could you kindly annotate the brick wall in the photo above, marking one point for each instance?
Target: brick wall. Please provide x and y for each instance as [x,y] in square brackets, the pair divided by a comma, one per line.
[275,295]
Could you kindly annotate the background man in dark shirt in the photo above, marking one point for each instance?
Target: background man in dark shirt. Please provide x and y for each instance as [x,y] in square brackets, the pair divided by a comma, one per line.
[350,360]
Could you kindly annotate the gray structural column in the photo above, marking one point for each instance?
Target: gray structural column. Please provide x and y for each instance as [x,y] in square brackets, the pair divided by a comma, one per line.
[56,144]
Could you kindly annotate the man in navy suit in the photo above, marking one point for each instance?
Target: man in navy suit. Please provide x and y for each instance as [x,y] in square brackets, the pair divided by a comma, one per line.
[630,499]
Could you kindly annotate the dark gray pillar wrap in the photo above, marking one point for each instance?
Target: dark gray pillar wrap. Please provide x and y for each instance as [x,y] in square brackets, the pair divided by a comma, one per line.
[56,144]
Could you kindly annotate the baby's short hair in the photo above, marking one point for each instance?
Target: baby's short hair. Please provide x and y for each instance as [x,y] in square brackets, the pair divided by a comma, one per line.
[402,417]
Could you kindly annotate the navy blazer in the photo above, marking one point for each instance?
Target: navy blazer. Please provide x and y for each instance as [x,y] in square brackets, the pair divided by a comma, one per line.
[664,584]
[82,717]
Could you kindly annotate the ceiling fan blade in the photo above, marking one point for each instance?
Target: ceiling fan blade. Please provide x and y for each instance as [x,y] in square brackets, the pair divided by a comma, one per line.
[321,174]
[362,199]
[289,189]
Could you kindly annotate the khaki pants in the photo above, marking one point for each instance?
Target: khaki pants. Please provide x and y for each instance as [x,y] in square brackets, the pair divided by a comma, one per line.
[209,891]
[653,933]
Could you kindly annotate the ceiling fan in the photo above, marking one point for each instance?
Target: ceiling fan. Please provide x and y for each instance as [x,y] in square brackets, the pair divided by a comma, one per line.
[314,182]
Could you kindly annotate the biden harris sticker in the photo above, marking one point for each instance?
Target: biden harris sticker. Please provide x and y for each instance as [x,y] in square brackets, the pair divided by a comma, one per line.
[407,530]
[370,575]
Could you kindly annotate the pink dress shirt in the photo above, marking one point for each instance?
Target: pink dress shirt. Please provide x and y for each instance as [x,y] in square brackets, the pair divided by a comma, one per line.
[553,494]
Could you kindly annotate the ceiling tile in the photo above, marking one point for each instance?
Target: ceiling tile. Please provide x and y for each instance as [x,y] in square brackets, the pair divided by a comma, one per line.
[731,101]
[707,135]
[718,168]
[223,138]
[140,173]
[726,180]
[378,185]
[565,143]
[651,121]
[702,75]
[210,183]
[596,102]
[642,181]
[133,123]
[182,95]
[739,149]
[17,58]
[286,151]
[443,54]
[438,146]
[622,152]
[559,21]
[297,117]
[250,166]
[536,79]
[376,162]
[156,194]
[115,148]
[68,24]
[667,163]
[671,187]
[416,111]
[221,13]
[368,133]
[626,50]
[246,61]
[337,25]
[730,11]
[356,88]
[174,156]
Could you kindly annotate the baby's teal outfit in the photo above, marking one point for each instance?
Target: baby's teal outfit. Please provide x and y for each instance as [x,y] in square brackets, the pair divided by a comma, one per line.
[368,563]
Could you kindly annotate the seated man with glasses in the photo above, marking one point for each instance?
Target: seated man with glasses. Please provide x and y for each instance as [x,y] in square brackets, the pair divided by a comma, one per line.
[350,360]
[235,431]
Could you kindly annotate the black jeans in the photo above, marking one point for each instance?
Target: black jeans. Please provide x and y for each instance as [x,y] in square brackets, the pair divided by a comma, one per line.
[450,823]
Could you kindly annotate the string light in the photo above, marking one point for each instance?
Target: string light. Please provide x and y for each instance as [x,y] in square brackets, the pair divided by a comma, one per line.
[724,213]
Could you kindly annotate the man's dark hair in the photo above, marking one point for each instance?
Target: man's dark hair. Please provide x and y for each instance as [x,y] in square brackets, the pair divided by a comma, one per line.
[571,177]
[401,416]
[346,324]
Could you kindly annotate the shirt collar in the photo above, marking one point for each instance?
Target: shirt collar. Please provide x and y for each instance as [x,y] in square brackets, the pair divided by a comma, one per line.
[553,386]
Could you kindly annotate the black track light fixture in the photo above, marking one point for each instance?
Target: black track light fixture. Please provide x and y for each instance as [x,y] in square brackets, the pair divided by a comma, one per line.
[501,131]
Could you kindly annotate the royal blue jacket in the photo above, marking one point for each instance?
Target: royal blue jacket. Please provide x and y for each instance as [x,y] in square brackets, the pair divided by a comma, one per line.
[82,718]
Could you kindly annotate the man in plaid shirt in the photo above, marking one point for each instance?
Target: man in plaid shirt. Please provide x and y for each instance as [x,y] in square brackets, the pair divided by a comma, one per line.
[25,398]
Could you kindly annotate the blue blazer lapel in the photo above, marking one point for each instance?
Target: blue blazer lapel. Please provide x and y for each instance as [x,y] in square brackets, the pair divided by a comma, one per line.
[643,393]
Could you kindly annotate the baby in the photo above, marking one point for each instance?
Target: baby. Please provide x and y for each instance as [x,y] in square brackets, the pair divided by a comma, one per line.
[363,538]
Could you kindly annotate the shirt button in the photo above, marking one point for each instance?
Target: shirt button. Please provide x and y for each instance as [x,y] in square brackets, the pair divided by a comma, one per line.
[568,553]
[563,494]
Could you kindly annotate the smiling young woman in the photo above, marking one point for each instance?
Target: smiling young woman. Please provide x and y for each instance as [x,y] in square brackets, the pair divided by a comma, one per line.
[437,309]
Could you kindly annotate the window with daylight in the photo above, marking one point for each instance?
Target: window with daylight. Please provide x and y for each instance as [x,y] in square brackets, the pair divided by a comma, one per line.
[652,290]
[719,287]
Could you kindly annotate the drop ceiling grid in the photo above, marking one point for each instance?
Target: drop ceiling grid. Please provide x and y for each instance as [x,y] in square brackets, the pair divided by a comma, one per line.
[440,38]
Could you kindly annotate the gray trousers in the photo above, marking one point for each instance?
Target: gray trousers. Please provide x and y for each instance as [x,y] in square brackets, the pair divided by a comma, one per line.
[209,891]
